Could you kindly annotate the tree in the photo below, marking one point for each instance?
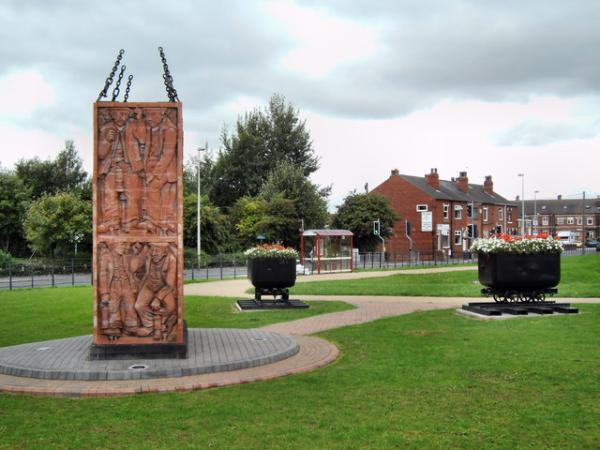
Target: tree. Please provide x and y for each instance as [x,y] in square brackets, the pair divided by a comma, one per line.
[309,201]
[254,216]
[215,234]
[262,140]
[54,222]
[13,204]
[357,213]
[63,174]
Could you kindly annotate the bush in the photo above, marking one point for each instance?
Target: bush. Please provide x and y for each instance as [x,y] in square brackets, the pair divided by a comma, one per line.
[5,258]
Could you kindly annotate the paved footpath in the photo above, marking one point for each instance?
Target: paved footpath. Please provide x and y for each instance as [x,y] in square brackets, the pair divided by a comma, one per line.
[314,352]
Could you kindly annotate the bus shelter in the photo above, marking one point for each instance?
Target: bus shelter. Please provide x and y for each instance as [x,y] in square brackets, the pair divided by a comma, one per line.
[326,251]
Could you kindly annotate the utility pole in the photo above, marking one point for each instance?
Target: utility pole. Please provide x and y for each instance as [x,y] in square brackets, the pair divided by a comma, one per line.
[583,238]
[522,175]
[535,217]
[198,232]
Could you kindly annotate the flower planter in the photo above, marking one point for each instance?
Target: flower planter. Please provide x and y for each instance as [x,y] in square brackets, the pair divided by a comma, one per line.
[522,272]
[272,273]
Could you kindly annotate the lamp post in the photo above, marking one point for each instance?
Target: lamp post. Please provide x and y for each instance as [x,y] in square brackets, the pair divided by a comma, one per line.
[522,175]
[198,232]
[535,217]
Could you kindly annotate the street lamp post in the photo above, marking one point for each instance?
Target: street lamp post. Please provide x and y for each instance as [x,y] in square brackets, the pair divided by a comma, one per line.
[198,232]
[522,175]
[535,217]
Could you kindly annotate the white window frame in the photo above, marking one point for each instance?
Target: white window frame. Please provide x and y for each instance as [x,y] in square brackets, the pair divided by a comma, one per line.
[501,214]
[509,215]
[458,237]
[560,220]
[570,220]
[485,214]
[446,209]
[545,220]
[590,220]
[422,207]
[458,212]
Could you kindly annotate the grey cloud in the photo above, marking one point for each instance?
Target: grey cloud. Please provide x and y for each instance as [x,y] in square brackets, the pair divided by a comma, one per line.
[537,133]
[218,51]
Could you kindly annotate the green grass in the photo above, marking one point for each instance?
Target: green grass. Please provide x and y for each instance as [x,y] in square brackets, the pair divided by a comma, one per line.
[31,315]
[580,277]
[425,380]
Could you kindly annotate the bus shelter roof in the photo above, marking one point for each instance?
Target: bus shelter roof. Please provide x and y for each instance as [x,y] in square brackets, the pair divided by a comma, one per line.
[327,232]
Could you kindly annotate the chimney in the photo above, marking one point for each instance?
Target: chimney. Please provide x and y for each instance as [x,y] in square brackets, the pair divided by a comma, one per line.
[395,172]
[433,179]
[559,197]
[488,185]
[598,201]
[463,182]
[517,198]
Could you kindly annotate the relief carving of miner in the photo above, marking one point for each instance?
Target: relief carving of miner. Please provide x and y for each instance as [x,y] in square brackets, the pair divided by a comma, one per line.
[117,290]
[156,302]
[160,202]
[120,172]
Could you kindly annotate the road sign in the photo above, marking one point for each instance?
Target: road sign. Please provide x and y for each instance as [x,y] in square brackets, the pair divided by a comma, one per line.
[426,221]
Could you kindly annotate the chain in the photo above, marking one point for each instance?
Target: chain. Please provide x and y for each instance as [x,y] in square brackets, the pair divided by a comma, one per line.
[110,78]
[168,79]
[117,88]
[128,88]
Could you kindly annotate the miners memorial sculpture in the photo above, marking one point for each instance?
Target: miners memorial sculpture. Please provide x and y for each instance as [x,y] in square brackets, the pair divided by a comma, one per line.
[138,225]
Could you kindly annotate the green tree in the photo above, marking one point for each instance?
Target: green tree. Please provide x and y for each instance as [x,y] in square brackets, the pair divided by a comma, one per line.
[273,219]
[63,174]
[53,222]
[214,225]
[14,197]
[262,139]
[309,201]
[357,213]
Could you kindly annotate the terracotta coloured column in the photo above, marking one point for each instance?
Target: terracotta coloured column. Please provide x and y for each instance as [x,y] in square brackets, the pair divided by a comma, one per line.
[138,231]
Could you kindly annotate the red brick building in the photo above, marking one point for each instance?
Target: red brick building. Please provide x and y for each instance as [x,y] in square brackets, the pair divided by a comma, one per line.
[551,216]
[444,216]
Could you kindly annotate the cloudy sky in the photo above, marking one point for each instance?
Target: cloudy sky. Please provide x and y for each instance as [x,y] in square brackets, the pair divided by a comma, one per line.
[491,88]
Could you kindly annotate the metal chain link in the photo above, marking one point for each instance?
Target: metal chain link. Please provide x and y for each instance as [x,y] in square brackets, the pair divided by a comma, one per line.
[168,79]
[110,78]
[117,88]
[128,88]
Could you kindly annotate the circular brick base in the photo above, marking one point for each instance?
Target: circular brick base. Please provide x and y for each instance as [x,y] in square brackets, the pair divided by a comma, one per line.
[209,350]
[313,353]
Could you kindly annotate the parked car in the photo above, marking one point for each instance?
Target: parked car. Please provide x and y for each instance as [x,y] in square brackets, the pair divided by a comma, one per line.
[592,243]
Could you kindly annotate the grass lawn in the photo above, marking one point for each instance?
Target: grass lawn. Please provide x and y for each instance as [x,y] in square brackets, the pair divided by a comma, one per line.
[31,315]
[580,277]
[425,380]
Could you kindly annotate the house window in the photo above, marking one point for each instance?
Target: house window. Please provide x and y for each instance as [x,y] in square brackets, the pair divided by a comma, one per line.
[472,230]
[535,221]
[458,212]
[560,221]
[458,237]
[421,208]
[485,213]
[545,220]
[590,221]
[500,214]
[570,221]
[509,215]
[579,221]
[446,211]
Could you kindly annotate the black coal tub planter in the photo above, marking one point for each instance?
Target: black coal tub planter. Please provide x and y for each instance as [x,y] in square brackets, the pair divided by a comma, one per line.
[519,277]
[272,276]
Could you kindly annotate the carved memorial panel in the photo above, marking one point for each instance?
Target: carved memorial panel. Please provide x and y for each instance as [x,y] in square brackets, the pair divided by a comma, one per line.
[138,242]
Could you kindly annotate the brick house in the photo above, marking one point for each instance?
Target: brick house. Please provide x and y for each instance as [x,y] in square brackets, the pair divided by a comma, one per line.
[444,216]
[571,215]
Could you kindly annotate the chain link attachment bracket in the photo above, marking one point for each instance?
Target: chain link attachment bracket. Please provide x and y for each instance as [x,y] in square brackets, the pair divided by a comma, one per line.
[111,76]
